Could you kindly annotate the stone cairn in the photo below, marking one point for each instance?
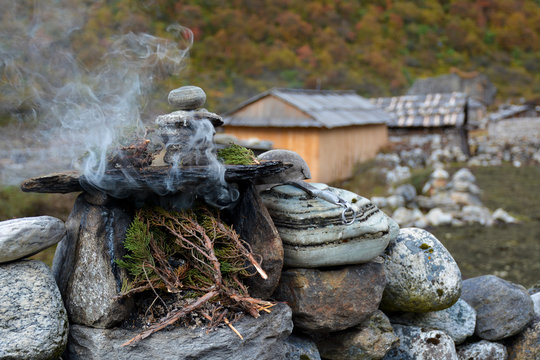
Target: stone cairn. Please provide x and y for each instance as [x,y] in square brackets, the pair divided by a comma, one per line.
[366,290]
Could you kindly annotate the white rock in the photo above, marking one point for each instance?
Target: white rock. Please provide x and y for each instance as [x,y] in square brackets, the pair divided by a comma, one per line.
[536,301]
[395,201]
[417,343]
[23,237]
[439,174]
[503,216]
[421,274]
[476,214]
[464,175]
[33,320]
[437,217]
[482,350]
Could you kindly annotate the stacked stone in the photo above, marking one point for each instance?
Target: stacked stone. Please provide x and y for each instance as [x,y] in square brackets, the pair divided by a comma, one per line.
[34,320]
[186,138]
[445,201]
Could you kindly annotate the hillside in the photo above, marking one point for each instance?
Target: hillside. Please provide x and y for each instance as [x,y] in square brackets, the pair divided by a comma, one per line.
[243,47]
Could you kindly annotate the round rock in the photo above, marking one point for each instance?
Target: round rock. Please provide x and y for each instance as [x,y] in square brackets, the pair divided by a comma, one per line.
[421,274]
[34,322]
[458,321]
[502,308]
[482,350]
[187,98]
[417,343]
[370,340]
[23,237]
[332,300]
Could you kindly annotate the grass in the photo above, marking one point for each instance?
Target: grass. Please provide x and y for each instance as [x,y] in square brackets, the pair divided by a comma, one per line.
[511,251]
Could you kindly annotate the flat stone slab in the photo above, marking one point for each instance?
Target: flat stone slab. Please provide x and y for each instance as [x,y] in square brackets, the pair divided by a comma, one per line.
[314,234]
[264,339]
[23,237]
[70,181]
[33,320]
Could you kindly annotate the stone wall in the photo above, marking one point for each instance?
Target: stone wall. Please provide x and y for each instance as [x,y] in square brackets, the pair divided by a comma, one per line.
[515,128]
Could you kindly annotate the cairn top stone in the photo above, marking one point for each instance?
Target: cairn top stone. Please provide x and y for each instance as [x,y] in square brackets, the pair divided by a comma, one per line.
[184,117]
[187,98]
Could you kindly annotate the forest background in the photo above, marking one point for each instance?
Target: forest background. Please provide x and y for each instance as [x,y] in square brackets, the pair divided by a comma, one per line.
[378,48]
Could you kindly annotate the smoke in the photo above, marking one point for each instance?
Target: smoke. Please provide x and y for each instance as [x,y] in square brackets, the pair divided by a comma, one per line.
[79,115]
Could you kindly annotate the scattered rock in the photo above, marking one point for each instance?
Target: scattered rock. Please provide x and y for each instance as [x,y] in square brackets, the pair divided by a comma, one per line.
[476,214]
[187,98]
[500,215]
[23,237]
[332,300]
[502,308]
[263,340]
[525,345]
[437,217]
[313,232]
[372,339]
[398,174]
[407,191]
[458,321]
[33,320]
[84,264]
[416,343]
[421,274]
[409,217]
[395,201]
[299,347]
[482,350]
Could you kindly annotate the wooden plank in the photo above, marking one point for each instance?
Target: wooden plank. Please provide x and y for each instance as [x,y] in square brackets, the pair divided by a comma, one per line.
[151,178]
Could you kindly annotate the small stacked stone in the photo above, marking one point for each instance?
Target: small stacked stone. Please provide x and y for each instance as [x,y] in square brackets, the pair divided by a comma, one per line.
[185,137]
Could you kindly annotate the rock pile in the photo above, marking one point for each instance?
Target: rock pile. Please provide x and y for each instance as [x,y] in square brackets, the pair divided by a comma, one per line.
[34,320]
[444,201]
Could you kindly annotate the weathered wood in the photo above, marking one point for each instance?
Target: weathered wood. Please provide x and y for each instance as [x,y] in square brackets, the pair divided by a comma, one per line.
[60,182]
[149,178]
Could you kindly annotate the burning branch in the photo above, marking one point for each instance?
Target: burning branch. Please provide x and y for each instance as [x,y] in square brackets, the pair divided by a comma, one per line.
[190,253]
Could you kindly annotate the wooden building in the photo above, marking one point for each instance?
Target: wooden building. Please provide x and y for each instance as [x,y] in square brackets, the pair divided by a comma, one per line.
[331,130]
[417,115]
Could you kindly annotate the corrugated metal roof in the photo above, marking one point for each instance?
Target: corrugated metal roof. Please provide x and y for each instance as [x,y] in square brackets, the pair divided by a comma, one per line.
[508,111]
[323,108]
[431,110]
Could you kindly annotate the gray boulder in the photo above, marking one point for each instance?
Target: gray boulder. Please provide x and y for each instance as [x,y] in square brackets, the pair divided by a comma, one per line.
[84,264]
[334,299]
[264,339]
[421,274]
[417,343]
[33,320]
[502,308]
[458,321]
[372,339]
[482,350]
[23,237]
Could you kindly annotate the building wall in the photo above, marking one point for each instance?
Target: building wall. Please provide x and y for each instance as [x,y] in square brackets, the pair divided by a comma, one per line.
[304,141]
[341,148]
[330,153]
